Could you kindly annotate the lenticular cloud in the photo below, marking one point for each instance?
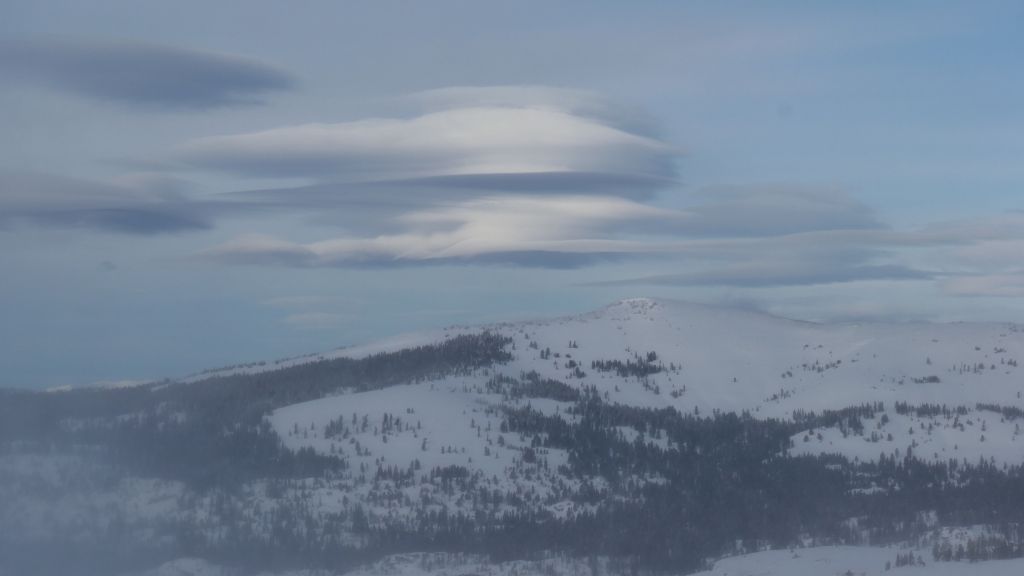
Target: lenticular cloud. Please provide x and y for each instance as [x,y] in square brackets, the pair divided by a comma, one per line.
[493,143]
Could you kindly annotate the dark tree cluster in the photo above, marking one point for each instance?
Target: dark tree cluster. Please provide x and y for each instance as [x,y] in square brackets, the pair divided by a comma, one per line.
[640,366]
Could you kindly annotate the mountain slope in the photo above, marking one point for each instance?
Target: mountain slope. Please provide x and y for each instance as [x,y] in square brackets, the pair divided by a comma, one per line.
[658,434]
[706,359]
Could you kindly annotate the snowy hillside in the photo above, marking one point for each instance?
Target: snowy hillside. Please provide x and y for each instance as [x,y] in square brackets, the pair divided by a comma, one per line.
[705,359]
[854,560]
[817,561]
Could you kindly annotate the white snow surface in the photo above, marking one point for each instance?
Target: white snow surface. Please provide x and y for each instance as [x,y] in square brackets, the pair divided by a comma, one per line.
[200,567]
[818,561]
[440,424]
[853,560]
[410,564]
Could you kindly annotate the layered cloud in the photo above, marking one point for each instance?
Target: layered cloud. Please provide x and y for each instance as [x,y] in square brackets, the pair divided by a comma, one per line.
[994,264]
[524,176]
[137,204]
[813,238]
[970,257]
[580,103]
[764,263]
[1009,285]
[525,139]
[142,74]
[556,231]
[774,210]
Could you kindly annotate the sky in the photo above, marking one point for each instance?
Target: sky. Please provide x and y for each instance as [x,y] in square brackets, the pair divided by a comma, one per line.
[187,185]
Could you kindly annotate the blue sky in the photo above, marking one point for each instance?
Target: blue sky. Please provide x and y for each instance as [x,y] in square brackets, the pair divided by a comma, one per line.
[194,184]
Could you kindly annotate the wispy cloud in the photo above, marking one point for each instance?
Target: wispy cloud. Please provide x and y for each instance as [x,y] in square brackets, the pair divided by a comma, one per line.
[992,266]
[312,320]
[1010,285]
[774,210]
[764,274]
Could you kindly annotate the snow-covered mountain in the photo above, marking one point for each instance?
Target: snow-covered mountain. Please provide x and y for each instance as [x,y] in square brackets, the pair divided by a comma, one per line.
[731,359]
[718,359]
[646,434]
